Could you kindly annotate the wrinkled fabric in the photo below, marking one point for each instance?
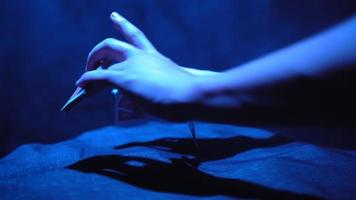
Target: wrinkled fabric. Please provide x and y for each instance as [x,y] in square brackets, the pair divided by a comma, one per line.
[159,160]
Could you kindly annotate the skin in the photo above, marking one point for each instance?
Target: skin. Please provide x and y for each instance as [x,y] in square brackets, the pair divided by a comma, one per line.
[263,87]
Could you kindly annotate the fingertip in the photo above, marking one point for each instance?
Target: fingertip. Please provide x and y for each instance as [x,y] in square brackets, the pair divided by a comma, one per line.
[78,83]
[85,77]
[115,16]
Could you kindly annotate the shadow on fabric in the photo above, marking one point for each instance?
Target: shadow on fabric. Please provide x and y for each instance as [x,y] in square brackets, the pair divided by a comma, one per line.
[181,175]
[209,149]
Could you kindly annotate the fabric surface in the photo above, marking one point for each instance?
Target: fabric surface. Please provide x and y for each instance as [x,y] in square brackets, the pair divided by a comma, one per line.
[158,160]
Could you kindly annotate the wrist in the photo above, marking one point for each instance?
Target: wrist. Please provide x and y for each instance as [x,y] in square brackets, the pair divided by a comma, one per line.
[212,90]
[198,87]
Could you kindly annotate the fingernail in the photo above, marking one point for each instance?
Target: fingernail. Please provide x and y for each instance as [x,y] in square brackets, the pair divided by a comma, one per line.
[115,15]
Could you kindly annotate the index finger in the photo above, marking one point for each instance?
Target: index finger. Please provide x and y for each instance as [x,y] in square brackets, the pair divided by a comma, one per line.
[134,35]
[108,50]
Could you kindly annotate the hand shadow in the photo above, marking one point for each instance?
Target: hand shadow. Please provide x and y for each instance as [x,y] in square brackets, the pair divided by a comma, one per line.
[209,149]
[175,177]
[181,175]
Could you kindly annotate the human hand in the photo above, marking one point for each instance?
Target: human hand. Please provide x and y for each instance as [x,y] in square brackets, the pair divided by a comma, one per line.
[140,69]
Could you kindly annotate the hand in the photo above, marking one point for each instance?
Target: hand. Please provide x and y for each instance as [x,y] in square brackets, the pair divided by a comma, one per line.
[140,69]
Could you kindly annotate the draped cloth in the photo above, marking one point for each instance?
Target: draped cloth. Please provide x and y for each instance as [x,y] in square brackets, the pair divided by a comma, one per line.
[159,160]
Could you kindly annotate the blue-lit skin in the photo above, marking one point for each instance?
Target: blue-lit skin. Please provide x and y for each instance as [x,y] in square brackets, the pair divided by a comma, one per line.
[142,70]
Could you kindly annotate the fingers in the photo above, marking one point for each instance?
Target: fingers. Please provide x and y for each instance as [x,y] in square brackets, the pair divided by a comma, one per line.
[107,51]
[131,32]
[114,50]
[98,76]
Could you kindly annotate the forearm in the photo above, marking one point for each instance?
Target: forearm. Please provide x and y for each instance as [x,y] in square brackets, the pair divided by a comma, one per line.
[314,58]
[311,59]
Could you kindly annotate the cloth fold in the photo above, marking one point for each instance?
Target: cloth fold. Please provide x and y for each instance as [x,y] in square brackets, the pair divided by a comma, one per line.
[159,160]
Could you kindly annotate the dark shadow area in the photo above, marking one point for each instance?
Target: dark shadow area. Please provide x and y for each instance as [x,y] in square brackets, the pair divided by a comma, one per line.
[342,137]
[182,175]
[209,149]
[175,177]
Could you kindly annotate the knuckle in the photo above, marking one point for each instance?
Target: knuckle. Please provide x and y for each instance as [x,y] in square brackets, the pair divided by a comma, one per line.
[108,42]
[89,75]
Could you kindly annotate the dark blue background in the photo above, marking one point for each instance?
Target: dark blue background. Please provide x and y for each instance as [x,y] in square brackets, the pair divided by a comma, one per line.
[44,44]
